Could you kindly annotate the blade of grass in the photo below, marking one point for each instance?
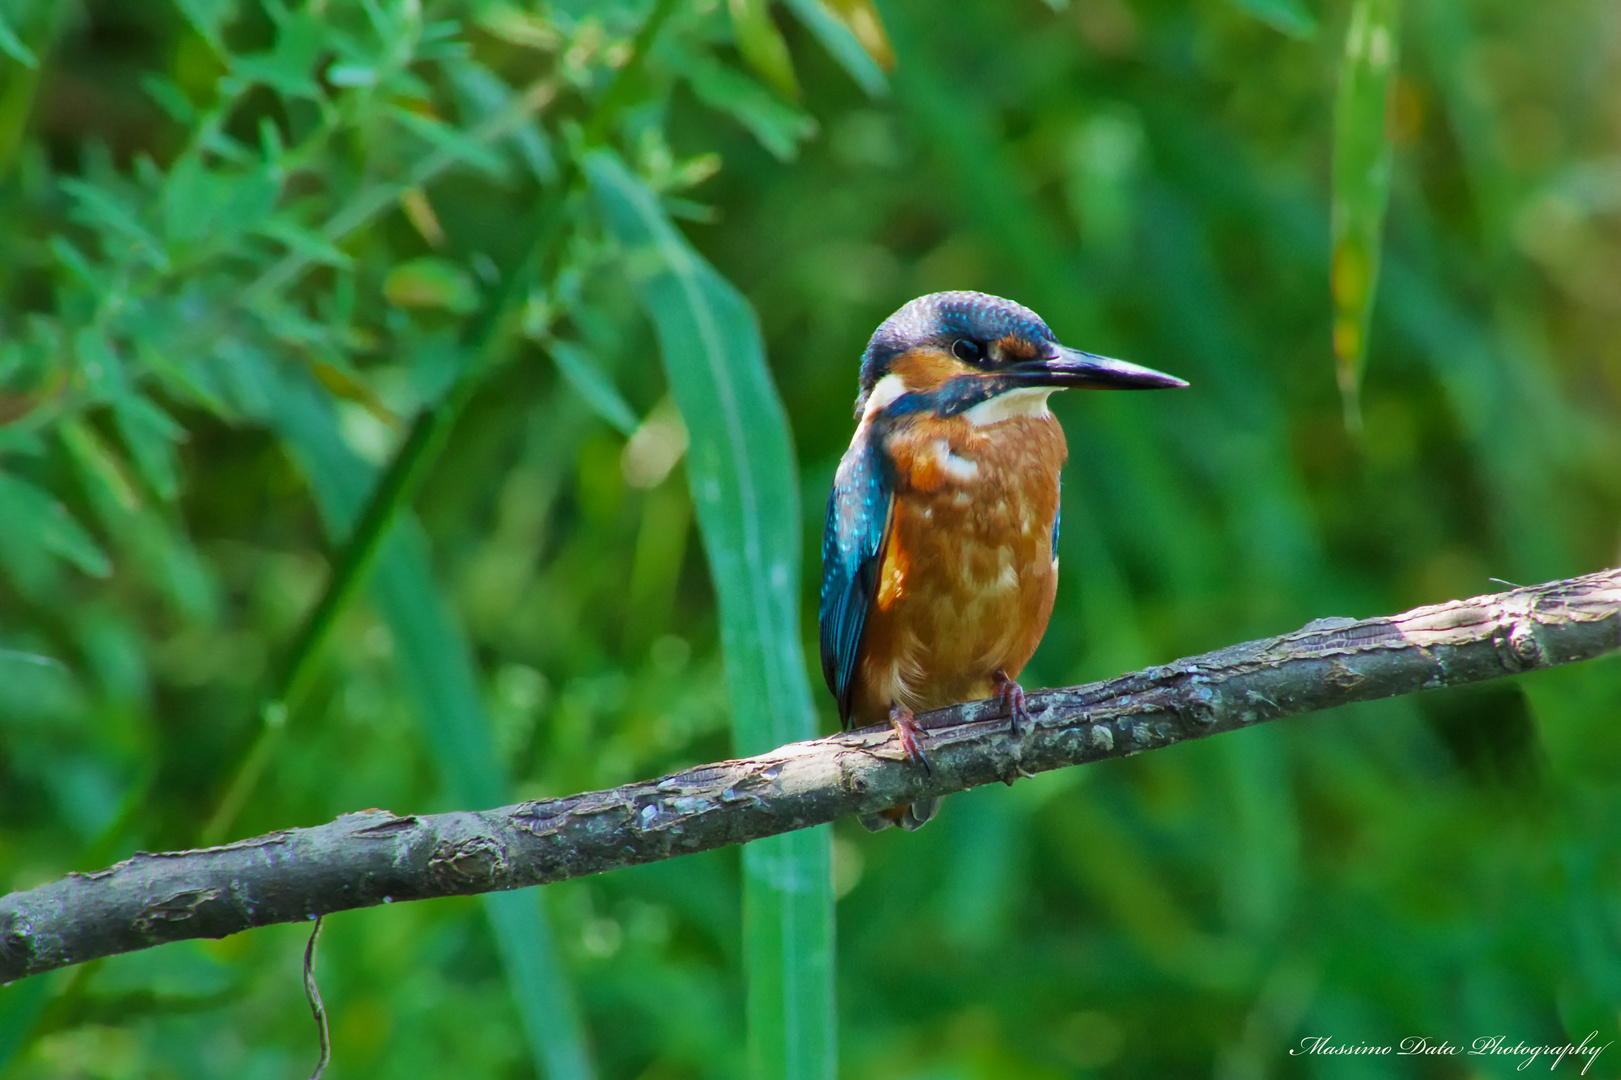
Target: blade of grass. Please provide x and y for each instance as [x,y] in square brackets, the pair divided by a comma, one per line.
[34,36]
[21,1004]
[842,45]
[745,490]
[1361,188]
[12,45]
[436,667]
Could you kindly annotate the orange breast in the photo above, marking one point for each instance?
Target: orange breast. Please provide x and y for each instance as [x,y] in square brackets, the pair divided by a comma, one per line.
[967,581]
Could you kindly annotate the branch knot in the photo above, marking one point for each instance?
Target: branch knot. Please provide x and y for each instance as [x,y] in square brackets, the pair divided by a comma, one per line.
[470,865]
[1517,645]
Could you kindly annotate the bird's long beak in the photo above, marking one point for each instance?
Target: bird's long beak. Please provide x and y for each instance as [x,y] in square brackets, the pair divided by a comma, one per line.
[1071,367]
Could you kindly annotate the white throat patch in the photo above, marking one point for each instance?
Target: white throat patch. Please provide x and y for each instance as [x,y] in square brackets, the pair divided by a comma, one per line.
[1025,401]
[884,393]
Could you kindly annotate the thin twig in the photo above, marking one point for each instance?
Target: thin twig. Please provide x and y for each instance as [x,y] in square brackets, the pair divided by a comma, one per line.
[318,1008]
[377,857]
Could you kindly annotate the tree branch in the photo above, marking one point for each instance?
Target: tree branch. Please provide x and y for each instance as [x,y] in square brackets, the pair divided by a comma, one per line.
[376,857]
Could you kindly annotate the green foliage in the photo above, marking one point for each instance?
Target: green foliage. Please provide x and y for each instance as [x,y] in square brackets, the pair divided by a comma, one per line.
[1290,16]
[435,667]
[741,469]
[268,270]
[1362,162]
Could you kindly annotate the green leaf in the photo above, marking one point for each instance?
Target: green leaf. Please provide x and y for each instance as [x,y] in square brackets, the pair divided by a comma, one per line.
[574,364]
[778,125]
[289,66]
[21,1004]
[13,46]
[33,525]
[443,137]
[77,265]
[167,95]
[436,667]
[200,202]
[191,199]
[866,25]
[511,24]
[311,245]
[345,383]
[485,95]
[253,196]
[842,45]
[100,364]
[111,492]
[151,435]
[745,490]
[430,282]
[1289,16]
[351,75]
[539,984]
[761,44]
[788,955]
[207,17]
[18,440]
[1361,187]
[172,563]
[102,210]
[185,380]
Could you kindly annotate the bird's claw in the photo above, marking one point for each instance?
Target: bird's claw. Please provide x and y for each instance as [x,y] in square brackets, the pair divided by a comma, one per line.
[1011,694]
[909,732]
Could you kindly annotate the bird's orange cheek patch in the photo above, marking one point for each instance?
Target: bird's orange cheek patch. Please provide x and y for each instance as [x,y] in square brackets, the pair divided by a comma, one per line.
[926,368]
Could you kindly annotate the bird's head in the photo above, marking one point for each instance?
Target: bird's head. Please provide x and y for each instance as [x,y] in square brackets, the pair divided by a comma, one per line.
[954,352]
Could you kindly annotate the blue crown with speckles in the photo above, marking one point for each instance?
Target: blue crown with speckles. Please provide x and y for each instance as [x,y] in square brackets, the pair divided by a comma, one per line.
[939,318]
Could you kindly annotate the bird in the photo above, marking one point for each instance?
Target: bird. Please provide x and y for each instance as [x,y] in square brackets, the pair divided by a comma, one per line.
[939,552]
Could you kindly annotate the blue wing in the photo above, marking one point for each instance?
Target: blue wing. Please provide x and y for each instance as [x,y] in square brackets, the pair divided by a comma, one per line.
[853,542]
[1058,516]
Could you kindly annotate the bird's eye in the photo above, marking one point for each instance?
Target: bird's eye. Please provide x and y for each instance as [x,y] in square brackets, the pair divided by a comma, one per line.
[969,352]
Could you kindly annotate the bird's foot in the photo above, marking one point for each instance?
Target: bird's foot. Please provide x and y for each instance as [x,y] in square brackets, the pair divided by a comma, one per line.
[1011,695]
[910,732]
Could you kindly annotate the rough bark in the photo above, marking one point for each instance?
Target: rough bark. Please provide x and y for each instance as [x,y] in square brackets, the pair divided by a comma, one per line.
[376,857]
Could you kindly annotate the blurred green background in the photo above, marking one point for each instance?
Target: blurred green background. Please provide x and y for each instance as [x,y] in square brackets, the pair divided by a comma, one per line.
[243,244]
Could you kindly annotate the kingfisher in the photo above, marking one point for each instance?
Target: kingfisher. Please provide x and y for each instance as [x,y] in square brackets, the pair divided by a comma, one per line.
[940,551]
